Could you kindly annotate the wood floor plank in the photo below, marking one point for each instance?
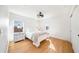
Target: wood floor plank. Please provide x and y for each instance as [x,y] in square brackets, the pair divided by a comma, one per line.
[56,46]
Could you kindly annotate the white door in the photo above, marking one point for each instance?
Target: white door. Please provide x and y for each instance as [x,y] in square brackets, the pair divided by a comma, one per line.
[75,29]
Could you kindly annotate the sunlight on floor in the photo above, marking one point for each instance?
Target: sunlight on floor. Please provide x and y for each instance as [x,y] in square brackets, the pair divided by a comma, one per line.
[51,46]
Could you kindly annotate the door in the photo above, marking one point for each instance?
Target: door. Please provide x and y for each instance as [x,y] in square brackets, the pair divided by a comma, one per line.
[75,30]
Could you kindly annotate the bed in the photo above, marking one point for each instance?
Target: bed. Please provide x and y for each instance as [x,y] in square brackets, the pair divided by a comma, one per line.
[37,37]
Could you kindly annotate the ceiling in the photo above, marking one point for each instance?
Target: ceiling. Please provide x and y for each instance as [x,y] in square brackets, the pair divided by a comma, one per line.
[48,10]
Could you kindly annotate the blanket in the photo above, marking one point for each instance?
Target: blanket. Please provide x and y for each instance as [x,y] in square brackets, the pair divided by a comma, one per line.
[37,37]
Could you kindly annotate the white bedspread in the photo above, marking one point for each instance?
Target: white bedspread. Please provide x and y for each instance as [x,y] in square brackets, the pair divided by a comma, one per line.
[37,37]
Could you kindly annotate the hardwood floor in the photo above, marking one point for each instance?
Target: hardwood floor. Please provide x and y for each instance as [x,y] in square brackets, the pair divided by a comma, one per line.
[55,45]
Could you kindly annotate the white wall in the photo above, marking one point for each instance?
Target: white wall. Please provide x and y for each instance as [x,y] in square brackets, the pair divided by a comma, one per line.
[4,28]
[59,27]
[75,29]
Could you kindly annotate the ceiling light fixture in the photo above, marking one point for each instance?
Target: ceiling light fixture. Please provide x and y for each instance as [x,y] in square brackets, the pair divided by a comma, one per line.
[40,15]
